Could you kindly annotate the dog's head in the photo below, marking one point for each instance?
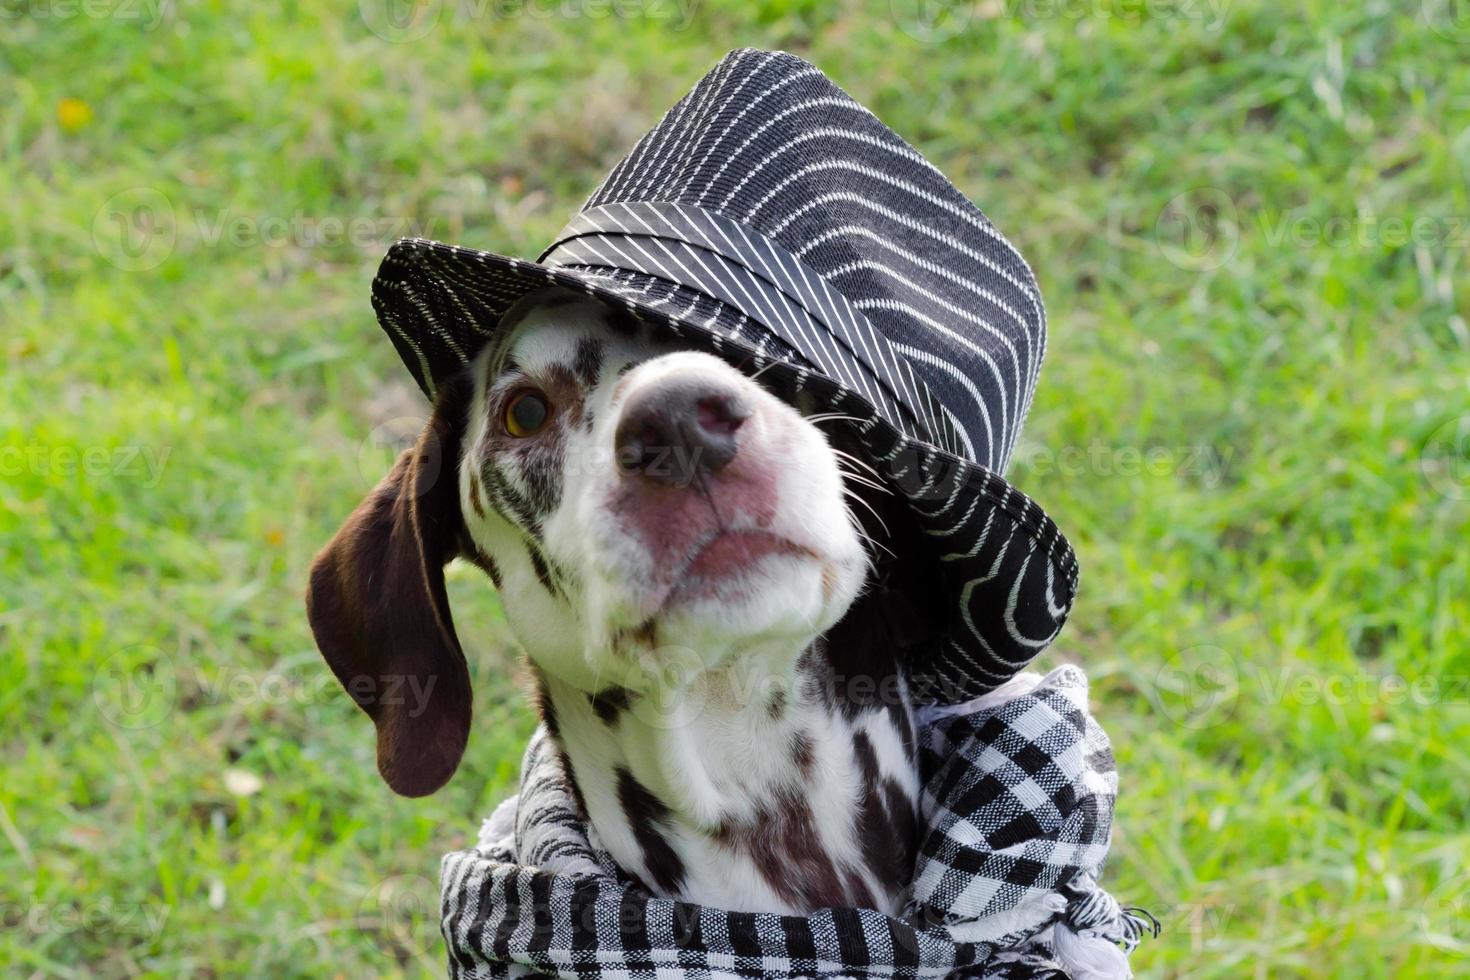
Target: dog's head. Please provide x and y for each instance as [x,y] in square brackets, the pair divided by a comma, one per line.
[633,502]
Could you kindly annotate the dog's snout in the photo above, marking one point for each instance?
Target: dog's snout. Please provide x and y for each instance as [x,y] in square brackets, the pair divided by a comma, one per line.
[679,428]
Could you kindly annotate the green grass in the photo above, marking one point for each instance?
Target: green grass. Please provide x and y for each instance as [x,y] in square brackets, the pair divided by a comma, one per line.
[1277,640]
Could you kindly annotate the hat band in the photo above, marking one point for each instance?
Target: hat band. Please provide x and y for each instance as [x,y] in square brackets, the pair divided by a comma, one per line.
[746,270]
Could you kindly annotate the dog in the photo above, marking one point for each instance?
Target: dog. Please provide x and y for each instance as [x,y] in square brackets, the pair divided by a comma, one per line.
[696,569]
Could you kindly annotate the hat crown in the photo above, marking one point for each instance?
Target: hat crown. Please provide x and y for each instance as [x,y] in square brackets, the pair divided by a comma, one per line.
[768,141]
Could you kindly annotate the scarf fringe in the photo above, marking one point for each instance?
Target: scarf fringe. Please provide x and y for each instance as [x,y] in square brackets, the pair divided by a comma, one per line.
[1093,938]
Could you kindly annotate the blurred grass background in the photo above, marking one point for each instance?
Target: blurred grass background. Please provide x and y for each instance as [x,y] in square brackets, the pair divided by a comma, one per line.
[1250,222]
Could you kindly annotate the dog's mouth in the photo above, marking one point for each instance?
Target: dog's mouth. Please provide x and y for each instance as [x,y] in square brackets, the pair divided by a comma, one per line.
[719,564]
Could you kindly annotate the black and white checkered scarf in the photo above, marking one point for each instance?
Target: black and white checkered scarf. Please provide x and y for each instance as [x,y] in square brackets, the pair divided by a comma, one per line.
[1017,811]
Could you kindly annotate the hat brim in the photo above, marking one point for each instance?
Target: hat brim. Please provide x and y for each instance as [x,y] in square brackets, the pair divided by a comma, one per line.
[1006,566]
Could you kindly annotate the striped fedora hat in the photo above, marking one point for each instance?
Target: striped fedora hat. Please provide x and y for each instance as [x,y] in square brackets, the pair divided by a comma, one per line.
[773,221]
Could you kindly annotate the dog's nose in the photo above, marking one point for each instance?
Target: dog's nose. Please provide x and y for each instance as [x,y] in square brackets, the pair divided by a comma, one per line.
[676,429]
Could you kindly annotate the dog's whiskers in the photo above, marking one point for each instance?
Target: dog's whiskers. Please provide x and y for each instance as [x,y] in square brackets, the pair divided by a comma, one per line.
[856,460]
[863,481]
[760,371]
[858,497]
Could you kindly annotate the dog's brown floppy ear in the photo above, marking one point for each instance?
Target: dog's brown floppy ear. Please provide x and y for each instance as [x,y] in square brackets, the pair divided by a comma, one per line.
[380,614]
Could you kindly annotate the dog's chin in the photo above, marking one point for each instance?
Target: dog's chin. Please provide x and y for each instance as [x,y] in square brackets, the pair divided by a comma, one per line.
[744,589]
[780,592]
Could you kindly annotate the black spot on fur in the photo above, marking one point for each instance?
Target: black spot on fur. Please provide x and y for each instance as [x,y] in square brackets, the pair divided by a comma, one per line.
[509,501]
[905,822]
[477,555]
[546,709]
[786,848]
[899,712]
[645,636]
[610,702]
[885,820]
[816,677]
[645,812]
[862,749]
[475,501]
[858,891]
[803,752]
[587,362]
[776,707]
[543,571]
[542,471]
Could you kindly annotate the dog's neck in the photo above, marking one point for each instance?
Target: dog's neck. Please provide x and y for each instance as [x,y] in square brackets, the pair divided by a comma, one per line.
[783,782]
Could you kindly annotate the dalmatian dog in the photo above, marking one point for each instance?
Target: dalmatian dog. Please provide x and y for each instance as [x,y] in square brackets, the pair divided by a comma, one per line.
[695,569]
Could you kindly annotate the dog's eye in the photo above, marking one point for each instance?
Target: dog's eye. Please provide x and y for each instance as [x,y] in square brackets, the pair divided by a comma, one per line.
[526,413]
